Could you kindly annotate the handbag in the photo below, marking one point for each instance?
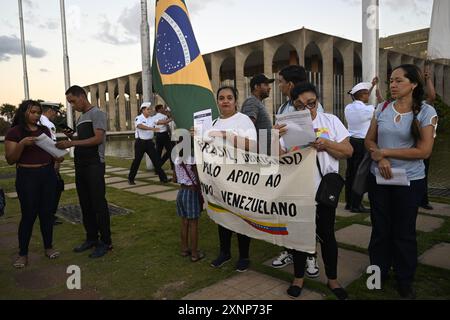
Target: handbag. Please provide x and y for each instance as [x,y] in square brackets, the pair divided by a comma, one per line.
[197,187]
[360,185]
[329,189]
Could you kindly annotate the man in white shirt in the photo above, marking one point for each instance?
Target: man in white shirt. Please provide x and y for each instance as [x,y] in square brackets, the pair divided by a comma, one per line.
[145,128]
[162,136]
[49,113]
[358,115]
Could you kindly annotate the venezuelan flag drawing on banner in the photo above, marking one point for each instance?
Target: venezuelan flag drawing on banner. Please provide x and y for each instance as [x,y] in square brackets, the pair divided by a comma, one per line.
[179,71]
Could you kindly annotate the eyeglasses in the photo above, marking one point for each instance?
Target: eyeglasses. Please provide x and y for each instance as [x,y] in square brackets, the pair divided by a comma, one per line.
[299,105]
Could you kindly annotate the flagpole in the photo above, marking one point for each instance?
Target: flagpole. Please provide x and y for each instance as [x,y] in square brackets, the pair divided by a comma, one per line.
[69,112]
[370,41]
[145,48]
[24,53]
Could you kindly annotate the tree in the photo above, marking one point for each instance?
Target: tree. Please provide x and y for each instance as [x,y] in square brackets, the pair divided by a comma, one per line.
[8,110]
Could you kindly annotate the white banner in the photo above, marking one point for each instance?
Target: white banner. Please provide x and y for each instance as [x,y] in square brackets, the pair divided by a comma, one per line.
[439,40]
[266,198]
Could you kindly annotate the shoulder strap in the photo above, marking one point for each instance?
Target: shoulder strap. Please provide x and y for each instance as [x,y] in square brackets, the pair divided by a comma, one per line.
[183,165]
[386,103]
[318,166]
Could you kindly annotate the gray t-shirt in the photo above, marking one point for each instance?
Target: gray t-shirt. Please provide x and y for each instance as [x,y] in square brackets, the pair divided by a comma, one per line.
[255,109]
[394,132]
[87,123]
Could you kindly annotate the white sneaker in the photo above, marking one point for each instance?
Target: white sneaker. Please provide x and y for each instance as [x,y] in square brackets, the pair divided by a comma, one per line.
[312,269]
[283,260]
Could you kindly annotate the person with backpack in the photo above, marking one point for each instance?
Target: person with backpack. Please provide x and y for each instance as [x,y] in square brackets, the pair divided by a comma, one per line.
[400,137]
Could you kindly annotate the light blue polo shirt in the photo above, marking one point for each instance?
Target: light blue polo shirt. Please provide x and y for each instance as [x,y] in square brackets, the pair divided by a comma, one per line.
[394,134]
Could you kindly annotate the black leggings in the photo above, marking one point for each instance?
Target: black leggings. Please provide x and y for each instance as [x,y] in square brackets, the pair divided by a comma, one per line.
[36,191]
[225,243]
[325,217]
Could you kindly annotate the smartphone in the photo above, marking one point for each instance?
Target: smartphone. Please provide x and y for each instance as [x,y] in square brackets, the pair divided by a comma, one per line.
[66,127]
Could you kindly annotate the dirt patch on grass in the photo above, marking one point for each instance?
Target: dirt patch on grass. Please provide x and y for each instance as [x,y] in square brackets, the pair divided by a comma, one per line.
[44,278]
[83,294]
[169,290]
[8,228]
[9,242]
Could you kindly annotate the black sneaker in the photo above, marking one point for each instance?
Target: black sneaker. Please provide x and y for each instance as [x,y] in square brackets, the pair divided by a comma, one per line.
[242,265]
[85,246]
[221,260]
[100,250]
[131,182]
[294,291]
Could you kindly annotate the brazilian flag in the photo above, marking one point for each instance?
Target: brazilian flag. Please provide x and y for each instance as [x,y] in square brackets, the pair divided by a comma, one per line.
[179,72]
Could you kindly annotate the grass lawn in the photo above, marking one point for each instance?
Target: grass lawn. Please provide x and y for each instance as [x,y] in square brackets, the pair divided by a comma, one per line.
[146,264]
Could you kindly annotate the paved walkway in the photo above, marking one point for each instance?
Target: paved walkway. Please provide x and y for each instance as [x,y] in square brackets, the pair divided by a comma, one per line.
[252,285]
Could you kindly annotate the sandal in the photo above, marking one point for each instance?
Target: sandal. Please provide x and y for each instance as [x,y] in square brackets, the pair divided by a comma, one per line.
[200,256]
[21,262]
[186,253]
[52,253]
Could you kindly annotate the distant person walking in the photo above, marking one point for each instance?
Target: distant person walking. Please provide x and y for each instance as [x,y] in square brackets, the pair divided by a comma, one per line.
[145,128]
[163,141]
[35,178]
[90,172]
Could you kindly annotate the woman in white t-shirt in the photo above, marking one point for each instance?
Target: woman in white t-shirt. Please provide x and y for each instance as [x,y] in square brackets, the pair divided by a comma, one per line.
[332,144]
[240,129]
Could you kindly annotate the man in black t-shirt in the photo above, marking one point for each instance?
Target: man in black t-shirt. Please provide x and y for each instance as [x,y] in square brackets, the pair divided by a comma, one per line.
[90,172]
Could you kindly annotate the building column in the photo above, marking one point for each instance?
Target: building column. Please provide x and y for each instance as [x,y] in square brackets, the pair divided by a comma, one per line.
[216,62]
[396,60]
[102,96]
[133,99]
[239,74]
[383,72]
[446,95]
[122,82]
[326,48]
[94,94]
[268,54]
[112,105]
[439,76]
[348,56]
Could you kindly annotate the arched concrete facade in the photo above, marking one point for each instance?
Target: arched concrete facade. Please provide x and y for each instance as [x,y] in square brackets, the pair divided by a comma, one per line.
[333,64]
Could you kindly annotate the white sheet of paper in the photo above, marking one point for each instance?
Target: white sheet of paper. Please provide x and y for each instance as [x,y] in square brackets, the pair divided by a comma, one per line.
[202,121]
[399,178]
[45,143]
[300,131]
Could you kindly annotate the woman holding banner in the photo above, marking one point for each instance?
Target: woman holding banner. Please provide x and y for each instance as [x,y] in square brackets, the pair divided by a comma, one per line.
[332,144]
[240,129]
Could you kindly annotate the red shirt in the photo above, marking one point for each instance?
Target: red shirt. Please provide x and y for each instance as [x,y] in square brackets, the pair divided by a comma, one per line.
[30,154]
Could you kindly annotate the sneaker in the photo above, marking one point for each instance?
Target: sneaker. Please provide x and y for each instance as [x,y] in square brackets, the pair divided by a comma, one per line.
[85,246]
[312,270]
[131,182]
[284,259]
[242,265]
[221,260]
[100,250]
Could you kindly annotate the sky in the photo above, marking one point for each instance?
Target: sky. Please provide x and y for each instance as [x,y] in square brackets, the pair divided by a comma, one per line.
[104,35]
